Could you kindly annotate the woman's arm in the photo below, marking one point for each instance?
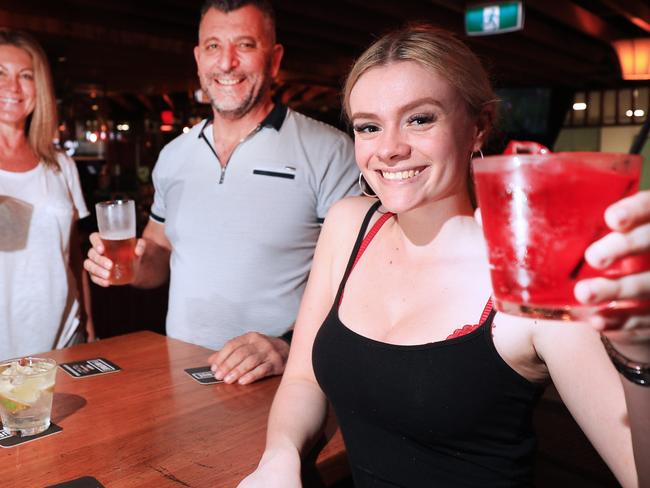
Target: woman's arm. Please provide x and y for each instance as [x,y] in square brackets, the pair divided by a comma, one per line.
[83,283]
[592,391]
[299,408]
[629,220]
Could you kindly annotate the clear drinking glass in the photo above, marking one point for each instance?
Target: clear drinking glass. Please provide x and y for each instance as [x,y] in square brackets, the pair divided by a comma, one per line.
[26,390]
[116,223]
[540,212]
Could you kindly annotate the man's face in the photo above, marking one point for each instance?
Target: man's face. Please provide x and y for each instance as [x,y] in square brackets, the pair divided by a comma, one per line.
[236,59]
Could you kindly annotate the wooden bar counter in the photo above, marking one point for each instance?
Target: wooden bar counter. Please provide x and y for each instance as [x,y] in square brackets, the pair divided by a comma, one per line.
[152,425]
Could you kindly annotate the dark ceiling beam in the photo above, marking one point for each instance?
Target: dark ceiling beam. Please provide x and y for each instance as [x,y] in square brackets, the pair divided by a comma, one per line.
[513,68]
[321,68]
[133,16]
[576,17]
[340,15]
[97,33]
[184,13]
[635,12]
[305,29]
[563,40]
[517,46]
[415,11]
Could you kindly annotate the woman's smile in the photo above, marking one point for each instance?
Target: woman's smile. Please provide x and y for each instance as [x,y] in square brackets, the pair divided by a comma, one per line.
[401,175]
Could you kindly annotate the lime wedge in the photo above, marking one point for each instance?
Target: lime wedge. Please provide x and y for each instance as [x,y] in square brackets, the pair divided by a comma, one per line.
[12,406]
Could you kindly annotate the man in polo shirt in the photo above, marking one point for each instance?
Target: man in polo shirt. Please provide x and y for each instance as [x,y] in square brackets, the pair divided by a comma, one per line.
[239,201]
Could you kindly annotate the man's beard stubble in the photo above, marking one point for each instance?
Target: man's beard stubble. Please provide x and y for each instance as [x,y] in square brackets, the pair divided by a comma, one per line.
[249,102]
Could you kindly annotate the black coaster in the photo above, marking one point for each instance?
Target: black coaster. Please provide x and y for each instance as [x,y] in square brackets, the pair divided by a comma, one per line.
[203,375]
[8,440]
[83,482]
[89,367]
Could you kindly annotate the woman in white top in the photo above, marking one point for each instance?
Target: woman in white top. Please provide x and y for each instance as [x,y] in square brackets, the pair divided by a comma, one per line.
[40,202]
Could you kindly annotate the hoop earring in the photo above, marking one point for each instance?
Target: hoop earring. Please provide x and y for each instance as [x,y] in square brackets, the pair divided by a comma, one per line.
[363,186]
[480,153]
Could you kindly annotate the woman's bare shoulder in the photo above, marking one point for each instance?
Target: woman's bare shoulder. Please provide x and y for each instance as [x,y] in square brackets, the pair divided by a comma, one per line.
[348,213]
[351,207]
[341,226]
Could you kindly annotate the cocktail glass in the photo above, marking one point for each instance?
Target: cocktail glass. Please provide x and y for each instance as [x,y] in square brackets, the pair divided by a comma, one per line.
[26,388]
[116,223]
[540,212]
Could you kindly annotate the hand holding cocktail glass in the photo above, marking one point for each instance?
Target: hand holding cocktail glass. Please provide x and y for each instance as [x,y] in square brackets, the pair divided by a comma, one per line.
[113,258]
[569,238]
[629,221]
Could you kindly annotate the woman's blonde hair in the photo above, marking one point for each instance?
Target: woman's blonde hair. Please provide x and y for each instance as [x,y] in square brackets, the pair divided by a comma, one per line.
[41,125]
[435,49]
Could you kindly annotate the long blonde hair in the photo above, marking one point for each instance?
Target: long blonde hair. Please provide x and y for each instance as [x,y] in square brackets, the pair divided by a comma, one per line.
[42,123]
[435,49]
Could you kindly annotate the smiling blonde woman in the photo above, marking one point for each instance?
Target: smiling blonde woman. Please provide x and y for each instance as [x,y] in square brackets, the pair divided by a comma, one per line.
[430,385]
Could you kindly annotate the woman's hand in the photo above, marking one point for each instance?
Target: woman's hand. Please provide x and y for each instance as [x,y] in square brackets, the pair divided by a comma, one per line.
[629,220]
[275,470]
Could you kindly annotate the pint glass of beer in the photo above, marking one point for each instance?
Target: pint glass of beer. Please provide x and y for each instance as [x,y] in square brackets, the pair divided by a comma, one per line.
[116,222]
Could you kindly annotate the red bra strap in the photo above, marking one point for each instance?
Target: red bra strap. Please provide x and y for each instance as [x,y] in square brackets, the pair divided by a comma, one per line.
[366,240]
[486,311]
[369,236]
[466,329]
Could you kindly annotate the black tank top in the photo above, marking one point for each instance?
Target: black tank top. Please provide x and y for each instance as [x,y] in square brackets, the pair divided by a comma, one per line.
[443,414]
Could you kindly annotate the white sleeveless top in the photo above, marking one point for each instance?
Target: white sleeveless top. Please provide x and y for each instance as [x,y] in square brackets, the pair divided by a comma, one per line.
[38,293]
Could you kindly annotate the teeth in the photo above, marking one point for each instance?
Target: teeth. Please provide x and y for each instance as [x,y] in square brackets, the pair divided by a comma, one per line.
[400,175]
[227,82]
[8,100]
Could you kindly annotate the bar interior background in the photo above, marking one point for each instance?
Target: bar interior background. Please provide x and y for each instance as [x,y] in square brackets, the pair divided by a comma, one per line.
[126,84]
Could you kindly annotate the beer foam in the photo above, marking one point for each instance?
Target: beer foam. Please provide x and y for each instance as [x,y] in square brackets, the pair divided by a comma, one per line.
[117,235]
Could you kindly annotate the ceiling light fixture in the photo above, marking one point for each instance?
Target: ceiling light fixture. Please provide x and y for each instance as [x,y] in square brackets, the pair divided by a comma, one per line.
[634,58]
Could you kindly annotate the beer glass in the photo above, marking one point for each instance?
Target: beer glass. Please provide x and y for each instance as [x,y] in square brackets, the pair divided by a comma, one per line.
[116,223]
[26,389]
[540,212]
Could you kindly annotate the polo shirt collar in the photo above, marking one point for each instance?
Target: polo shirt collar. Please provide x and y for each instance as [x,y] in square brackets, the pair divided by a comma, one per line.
[274,119]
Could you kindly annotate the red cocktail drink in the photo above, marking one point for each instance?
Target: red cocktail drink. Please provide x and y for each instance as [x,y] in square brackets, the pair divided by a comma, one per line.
[540,213]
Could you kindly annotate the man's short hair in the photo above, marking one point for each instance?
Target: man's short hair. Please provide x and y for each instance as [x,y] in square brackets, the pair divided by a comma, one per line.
[226,6]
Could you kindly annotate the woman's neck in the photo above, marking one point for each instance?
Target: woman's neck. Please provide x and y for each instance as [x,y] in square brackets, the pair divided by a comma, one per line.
[423,225]
[15,152]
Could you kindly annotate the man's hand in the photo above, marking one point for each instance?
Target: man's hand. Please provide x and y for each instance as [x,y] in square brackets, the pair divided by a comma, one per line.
[249,357]
[99,266]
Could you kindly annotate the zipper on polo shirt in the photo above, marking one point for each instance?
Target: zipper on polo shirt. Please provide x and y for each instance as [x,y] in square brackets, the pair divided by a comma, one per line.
[255,130]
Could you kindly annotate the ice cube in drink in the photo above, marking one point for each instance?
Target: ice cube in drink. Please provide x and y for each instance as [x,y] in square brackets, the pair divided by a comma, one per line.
[26,390]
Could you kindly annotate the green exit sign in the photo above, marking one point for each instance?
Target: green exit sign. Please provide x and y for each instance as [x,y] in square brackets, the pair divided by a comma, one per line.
[496,18]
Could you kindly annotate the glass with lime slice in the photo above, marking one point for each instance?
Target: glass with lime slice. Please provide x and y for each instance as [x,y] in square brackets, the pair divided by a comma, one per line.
[26,388]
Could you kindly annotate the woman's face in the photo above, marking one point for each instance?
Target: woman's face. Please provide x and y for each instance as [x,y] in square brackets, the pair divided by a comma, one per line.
[17,88]
[413,135]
